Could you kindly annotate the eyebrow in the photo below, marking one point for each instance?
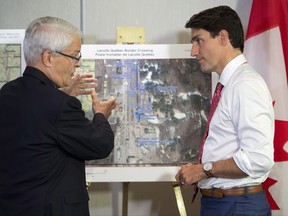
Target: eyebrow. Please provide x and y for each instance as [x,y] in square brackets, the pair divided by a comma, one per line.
[194,38]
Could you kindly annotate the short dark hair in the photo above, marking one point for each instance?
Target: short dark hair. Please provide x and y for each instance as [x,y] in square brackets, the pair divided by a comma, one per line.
[216,19]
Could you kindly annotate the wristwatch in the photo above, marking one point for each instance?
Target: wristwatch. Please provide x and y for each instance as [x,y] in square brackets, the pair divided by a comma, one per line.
[207,168]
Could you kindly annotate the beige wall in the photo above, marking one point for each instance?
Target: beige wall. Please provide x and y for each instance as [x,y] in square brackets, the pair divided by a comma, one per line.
[164,22]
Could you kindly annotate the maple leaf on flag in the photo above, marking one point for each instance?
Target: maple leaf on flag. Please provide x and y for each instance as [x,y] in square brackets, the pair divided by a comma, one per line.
[267,184]
[280,139]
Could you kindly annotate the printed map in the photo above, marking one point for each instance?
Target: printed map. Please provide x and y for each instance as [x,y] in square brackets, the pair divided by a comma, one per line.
[162,112]
[10,62]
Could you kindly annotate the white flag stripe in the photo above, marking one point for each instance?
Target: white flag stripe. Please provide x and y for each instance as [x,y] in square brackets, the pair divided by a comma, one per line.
[264,52]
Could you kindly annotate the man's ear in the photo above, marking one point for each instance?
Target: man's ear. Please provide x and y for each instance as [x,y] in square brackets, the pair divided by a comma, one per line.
[224,37]
[46,57]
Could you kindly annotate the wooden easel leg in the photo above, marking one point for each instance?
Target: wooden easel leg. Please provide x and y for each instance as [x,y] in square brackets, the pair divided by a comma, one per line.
[125,199]
[179,199]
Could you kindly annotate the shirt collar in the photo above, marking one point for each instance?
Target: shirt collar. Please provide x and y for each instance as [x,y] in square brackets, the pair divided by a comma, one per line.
[230,68]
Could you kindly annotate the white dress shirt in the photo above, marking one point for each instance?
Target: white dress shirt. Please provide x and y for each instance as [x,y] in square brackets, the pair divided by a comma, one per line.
[242,126]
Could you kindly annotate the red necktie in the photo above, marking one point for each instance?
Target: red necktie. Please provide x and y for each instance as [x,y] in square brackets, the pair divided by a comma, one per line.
[215,100]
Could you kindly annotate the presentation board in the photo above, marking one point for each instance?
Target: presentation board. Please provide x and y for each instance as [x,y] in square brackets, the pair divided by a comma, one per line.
[163,104]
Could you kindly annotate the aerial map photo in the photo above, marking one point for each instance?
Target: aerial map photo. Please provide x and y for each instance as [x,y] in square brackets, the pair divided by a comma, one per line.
[10,62]
[11,59]
[162,111]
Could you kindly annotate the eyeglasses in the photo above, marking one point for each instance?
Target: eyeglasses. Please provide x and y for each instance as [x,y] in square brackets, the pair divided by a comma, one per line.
[69,56]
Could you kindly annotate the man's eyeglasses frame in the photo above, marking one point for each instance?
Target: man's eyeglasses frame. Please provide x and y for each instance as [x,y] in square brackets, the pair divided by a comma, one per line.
[69,56]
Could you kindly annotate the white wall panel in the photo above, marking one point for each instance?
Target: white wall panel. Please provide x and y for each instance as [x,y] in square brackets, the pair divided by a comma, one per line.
[163,20]
[17,14]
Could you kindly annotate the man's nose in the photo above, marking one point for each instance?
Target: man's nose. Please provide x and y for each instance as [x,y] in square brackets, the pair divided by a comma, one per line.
[194,50]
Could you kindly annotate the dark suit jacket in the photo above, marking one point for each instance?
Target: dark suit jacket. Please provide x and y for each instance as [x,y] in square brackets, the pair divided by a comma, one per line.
[44,141]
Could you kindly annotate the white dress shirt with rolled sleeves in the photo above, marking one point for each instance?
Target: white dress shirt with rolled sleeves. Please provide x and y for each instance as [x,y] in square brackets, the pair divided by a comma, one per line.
[242,126]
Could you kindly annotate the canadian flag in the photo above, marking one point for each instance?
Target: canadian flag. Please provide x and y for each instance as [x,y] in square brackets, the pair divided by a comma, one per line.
[266,49]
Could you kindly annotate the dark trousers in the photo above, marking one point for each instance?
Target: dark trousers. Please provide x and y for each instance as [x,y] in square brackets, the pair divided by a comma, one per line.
[246,205]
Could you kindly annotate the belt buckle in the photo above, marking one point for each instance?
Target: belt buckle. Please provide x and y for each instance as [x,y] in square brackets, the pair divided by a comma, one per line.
[217,193]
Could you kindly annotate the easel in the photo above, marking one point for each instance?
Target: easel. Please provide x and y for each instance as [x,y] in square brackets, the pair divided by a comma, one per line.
[136,35]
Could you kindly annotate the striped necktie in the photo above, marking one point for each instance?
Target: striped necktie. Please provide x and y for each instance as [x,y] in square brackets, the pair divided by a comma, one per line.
[215,100]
